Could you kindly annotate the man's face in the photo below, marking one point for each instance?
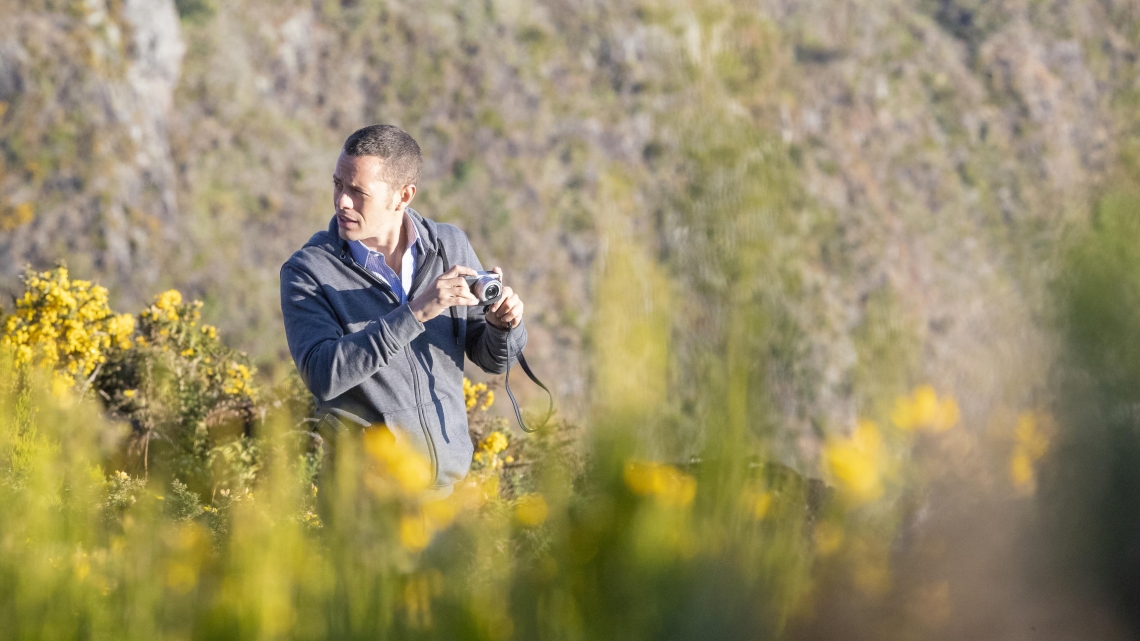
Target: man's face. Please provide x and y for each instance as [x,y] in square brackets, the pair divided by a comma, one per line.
[364,201]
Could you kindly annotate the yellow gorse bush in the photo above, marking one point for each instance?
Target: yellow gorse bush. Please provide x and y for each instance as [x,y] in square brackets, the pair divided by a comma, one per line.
[66,325]
[170,324]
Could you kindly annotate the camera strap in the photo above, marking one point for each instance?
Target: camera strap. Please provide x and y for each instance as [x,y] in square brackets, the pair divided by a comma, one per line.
[530,374]
[521,359]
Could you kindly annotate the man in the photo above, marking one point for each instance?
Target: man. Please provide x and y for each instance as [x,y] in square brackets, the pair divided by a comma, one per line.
[379,317]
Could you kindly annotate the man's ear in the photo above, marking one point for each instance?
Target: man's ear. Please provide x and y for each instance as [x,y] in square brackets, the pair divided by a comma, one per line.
[407,193]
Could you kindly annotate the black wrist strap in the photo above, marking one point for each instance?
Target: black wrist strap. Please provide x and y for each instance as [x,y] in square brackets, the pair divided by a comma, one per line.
[530,374]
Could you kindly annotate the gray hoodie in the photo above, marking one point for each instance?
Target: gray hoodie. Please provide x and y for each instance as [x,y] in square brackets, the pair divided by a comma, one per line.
[368,361]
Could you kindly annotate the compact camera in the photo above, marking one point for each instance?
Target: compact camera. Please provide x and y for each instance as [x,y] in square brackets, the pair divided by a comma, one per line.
[486,286]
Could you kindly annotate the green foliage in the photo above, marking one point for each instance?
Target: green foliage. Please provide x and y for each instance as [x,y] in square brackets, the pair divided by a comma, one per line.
[1101,287]
[1092,490]
[181,504]
[123,491]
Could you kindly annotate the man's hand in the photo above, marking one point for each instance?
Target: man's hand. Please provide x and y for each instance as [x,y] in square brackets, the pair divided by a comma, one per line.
[506,312]
[447,290]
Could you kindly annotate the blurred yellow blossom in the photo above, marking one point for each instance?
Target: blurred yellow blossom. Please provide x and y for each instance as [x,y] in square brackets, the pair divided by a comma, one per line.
[531,509]
[413,532]
[858,463]
[827,537]
[1030,445]
[756,502]
[923,410]
[664,482]
[409,469]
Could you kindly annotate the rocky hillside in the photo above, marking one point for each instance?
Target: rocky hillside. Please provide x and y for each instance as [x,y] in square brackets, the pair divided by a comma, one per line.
[836,200]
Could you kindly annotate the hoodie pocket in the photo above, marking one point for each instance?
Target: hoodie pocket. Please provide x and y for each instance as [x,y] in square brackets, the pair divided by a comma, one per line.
[454,452]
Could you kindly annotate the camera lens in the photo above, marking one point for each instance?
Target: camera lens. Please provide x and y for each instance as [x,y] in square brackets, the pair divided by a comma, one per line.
[487,288]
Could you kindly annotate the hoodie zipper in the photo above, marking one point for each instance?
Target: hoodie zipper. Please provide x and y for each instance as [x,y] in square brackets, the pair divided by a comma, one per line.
[416,280]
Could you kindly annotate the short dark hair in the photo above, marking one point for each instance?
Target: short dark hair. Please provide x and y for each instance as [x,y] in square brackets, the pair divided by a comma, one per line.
[399,151]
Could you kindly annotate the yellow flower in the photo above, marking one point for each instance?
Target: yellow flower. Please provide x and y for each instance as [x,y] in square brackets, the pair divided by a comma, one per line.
[858,463]
[238,380]
[398,461]
[168,302]
[924,411]
[413,532]
[531,510]
[756,503]
[666,483]
[472,391]
[129,393]
[494,443]
[1030,445]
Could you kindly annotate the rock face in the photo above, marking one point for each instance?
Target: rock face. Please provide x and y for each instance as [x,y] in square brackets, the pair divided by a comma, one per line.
[886,186]
[88,175]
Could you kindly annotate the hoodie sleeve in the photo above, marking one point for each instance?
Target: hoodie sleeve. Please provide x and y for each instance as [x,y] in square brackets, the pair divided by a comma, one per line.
[486,344]
[330,361]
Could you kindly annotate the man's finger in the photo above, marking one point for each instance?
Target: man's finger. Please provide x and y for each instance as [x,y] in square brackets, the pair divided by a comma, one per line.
[506,305]
[456,271]
[513,309]
[512,317]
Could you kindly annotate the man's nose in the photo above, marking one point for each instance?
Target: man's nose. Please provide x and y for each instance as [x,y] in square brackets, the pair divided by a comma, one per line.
[342,201]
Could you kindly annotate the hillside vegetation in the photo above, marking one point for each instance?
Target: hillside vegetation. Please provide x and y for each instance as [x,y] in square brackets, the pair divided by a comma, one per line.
[884,184]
